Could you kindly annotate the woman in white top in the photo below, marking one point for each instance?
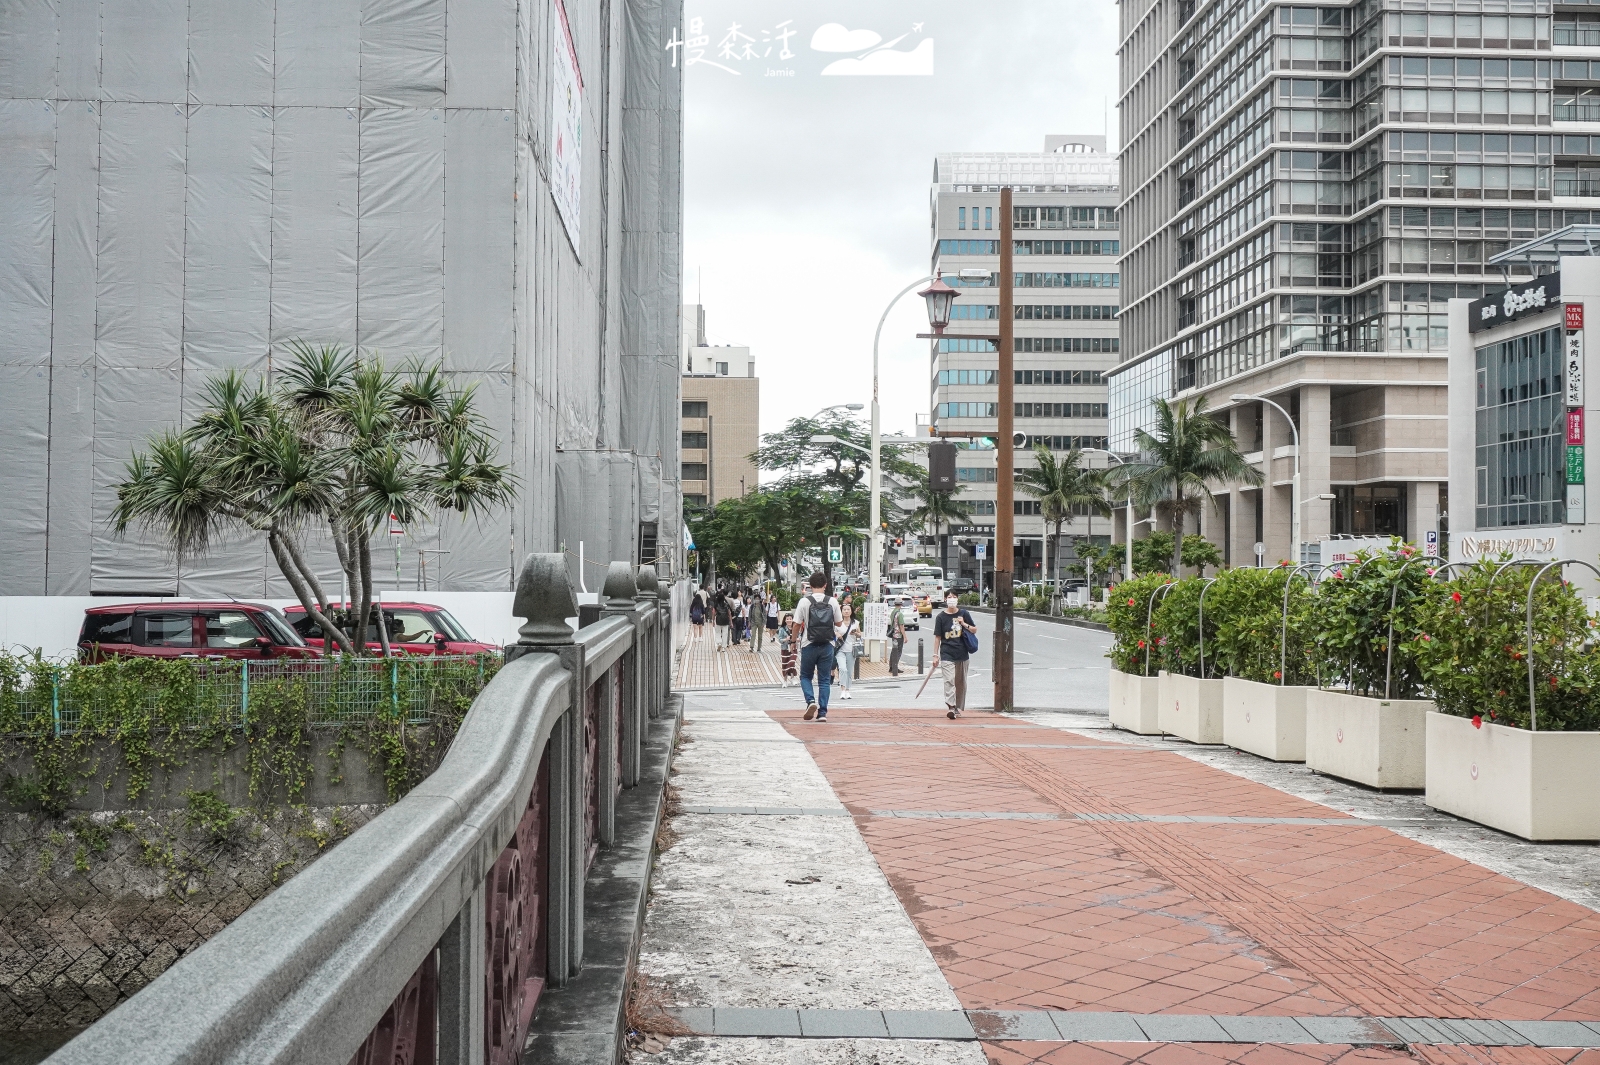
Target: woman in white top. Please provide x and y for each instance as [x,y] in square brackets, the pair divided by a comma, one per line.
[849,647]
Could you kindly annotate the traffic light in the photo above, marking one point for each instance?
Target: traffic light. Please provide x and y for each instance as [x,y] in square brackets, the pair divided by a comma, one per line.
[942,467]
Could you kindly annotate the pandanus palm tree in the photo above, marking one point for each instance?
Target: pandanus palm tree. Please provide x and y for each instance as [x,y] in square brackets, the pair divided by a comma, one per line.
[1062,485]
[1190,450]
[338,440]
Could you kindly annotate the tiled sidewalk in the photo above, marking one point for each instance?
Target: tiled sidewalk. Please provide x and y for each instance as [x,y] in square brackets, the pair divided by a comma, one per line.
[1117,895]
[700,665]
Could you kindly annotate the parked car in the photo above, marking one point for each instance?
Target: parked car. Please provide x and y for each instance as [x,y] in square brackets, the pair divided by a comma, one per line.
[963,585]
[189,630]
[414,629]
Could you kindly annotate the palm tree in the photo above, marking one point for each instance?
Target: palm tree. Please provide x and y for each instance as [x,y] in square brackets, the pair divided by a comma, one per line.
[337,440]
[1062,485]
[1190,450]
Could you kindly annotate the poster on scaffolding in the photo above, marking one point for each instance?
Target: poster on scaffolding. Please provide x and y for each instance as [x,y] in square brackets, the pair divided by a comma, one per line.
[566,128]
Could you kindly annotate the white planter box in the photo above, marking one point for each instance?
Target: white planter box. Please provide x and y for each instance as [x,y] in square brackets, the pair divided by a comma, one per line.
[1265,719]
[1537,785]
[1190,708]
[1133,703]
[1376,742]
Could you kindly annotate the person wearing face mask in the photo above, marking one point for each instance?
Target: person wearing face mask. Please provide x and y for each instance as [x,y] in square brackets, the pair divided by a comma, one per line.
[950,654]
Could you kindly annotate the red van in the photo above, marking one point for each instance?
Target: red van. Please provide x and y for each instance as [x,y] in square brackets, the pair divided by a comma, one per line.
[414,629]
[189,630]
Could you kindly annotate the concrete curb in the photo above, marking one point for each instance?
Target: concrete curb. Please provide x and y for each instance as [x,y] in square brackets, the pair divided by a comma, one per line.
[584,1021]
[1077,623]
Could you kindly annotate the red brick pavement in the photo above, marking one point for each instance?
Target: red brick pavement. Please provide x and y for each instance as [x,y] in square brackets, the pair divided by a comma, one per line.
[1150,917]
[1014,1053]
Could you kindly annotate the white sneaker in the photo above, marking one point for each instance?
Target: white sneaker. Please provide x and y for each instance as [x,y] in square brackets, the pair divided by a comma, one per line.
[845,695]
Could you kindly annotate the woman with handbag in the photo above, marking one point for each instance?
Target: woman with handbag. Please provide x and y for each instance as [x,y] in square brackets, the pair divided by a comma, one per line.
[846,647]
[955,638]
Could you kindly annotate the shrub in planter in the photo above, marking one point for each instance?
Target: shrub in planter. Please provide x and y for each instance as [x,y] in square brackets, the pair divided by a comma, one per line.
[1248,643]
[1176,627]
[1126,615]
[1472,649]
[1266,659]
[1358,606]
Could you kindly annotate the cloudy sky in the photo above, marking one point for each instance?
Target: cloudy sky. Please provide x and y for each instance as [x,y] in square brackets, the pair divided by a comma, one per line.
[807,195]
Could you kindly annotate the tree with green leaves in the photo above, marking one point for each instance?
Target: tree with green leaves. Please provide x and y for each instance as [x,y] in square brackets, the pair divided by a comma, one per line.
[1190,450]
[337,439]
[938,510]
[1198,553]
[1062,485]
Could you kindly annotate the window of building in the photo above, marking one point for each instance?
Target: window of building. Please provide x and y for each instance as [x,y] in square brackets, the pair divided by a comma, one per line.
[968,346]
[966,410]
[1521,427]
[695,408]
[975,473]
[694,471]
[966,377]
[694,500]
[961,218]
[1058,377]
[1025,506]
[696,440]
[722,369]
[1063,443]
[1369,510]
[1060,410]
[988,218]
[1065,344]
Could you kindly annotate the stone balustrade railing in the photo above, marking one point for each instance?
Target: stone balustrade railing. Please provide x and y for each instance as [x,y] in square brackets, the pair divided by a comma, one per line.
[429,934]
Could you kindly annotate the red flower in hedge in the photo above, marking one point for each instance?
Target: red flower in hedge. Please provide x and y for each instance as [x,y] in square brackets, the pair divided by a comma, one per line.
[1130,600]
[1456,596]
[1477,720]
[1141,645]
[1552,682]
[1277,674]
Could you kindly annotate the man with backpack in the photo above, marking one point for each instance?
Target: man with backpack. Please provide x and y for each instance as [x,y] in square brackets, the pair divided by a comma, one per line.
[818,622]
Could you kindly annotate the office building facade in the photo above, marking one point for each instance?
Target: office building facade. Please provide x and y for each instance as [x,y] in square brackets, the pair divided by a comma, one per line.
[720,424]
[1065,305]
[1307,188]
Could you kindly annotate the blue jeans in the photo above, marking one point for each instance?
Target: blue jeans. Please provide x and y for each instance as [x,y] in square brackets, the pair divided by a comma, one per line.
[816,657]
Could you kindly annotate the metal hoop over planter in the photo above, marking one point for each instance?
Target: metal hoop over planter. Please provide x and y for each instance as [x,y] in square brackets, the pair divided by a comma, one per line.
[1206,583]
[1448,566]
[1501,568]
[1283,637]
[1388,647]
[1149,610]
[1533,707]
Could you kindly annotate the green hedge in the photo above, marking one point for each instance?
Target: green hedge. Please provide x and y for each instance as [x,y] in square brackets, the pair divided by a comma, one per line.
[1390,622]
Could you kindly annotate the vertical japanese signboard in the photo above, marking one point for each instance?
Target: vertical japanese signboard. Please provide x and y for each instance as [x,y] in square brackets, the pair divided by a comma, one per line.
[566,128]
[1572,373]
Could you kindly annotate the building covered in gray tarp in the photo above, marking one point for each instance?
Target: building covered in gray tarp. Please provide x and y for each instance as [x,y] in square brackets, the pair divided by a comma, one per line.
[187,186]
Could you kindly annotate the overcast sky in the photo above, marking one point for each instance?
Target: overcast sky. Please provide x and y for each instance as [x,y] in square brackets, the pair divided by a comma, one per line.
[807,195]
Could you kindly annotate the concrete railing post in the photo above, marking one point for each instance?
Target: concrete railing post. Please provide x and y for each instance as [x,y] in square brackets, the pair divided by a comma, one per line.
[620,595]
[664,639]
[649,592]
[545,598]
[461,984]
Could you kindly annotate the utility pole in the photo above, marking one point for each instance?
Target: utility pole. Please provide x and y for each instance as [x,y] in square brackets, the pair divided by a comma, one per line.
[1003,476]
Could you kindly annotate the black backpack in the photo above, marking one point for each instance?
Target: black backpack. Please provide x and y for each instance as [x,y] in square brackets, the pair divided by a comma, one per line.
[819,622]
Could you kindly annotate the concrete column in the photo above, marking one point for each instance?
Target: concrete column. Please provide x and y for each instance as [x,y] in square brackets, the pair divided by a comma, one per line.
[1422,510]
[461,984]
[545,598]
[1316,463]
[1273,433]
[621,600]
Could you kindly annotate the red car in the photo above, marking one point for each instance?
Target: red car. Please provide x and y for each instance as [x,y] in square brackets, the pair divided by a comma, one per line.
[188,630]
[414,629]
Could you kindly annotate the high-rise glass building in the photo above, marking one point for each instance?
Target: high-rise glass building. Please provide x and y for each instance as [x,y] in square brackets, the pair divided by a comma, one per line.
[1305,188]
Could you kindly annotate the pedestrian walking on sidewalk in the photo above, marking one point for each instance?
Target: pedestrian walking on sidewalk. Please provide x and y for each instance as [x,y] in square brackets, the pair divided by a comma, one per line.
[772,610]
[950,652]
[722,614]
[897,636]
[848,647]
[788,650]
[736,609]
[818,622]
[758,621]
[697,613]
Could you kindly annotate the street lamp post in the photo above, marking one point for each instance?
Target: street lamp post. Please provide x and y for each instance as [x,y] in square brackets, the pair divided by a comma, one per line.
[1266,461]
[1127,566]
